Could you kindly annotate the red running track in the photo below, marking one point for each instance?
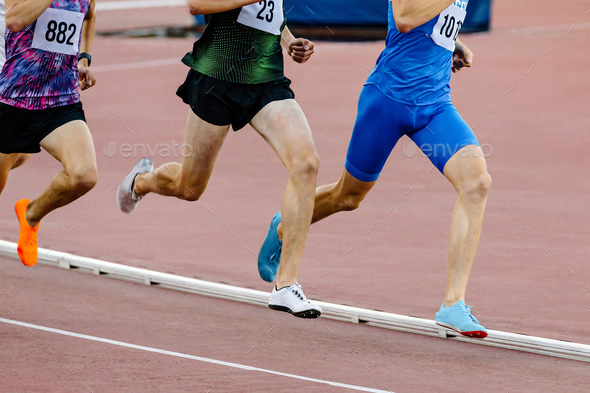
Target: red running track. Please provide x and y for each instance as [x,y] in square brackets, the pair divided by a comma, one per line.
[40,361]
[526,96]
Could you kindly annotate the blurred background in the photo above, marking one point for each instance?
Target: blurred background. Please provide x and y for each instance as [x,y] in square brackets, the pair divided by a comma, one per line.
[350,20]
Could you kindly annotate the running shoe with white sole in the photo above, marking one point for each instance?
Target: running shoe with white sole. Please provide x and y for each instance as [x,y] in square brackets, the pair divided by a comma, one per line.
[269,256]
[460,319]
[292,299]
[126,199]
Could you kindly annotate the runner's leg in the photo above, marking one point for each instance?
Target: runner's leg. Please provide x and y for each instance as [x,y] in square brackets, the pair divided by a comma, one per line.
[467,171]
[463,164]
[344,195]
[283,125]
[376,131]
[72,145]
[8,162]
[187,180]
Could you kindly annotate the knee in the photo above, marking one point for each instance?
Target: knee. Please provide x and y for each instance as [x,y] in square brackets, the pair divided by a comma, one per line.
[21,159]
[189,197]
[83,179]
[189,193]
[306,167]
[349,201]
[477,187]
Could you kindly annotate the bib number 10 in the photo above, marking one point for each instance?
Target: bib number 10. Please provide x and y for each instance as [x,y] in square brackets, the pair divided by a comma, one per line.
[60,32]
[448,28]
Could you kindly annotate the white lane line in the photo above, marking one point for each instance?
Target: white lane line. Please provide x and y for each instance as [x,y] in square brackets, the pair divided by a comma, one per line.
[185,356]
[127,5]
[137,64]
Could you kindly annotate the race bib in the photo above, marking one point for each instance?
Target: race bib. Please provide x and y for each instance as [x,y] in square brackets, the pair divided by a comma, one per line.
[266,15]
[58,31]
[447,28]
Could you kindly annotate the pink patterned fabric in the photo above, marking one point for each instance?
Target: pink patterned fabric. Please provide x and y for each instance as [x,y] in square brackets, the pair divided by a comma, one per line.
[36,79]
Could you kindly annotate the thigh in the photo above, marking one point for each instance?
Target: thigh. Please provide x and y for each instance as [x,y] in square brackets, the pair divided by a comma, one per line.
[377,129]
[72,145]
[202,143]
[284,126]
[444,134]
[465,167]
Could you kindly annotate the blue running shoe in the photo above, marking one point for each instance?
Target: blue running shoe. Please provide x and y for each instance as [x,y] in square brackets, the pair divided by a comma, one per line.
[269,257]
[460,319]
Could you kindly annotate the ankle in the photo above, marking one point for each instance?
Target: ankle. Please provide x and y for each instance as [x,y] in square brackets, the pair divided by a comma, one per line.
[136,190]
[29,219]
[280,231]
[451,301]
[286,283]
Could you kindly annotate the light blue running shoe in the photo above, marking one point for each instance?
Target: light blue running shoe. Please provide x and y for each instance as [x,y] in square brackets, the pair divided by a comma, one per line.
[460,319]
[269,257]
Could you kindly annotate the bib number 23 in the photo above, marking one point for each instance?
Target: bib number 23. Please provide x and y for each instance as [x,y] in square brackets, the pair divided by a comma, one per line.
[58,31]
[266,15]
[447,28]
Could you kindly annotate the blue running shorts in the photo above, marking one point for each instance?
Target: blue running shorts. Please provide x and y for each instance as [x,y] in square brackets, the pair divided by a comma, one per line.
[437,129]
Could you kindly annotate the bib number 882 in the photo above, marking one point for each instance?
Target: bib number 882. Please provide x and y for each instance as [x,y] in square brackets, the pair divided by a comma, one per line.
[57,32]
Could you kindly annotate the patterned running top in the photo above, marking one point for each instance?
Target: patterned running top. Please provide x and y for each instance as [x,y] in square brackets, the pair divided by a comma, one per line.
[41,69]
[242,45]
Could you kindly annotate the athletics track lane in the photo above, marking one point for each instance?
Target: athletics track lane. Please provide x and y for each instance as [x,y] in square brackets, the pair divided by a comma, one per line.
[41,361]
[538,130]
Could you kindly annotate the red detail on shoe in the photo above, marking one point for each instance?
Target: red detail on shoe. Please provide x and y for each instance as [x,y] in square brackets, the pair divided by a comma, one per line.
[475,334]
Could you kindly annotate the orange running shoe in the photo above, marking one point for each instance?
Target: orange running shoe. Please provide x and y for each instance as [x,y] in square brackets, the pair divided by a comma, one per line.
[27,241]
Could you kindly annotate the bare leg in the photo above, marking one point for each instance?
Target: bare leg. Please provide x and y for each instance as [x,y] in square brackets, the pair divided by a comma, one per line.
[8,162]
[283,125]
[72,145]
[189,180]
[468,174]
[344,195]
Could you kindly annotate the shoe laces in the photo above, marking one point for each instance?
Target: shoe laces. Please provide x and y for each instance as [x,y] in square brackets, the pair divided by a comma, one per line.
[467,310]
[297,291]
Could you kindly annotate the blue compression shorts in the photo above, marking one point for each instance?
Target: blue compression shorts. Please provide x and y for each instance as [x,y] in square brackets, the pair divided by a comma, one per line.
[437,129]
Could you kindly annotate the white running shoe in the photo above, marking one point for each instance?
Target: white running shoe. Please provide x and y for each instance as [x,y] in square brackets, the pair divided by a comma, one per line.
[126,199]
[292,300]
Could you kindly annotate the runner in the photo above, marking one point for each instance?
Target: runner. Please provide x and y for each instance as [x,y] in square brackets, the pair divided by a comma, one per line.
[40,103]
[408,93]
[236,78]
[7,161]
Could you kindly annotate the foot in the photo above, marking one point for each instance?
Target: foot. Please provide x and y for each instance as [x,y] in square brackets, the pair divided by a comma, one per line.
[27,240]
[292,300]
[127,200]
[269,257]
[460,319]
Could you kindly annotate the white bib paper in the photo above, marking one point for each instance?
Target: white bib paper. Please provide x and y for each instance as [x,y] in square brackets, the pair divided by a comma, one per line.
[447,28]
[266,15]
[58,31]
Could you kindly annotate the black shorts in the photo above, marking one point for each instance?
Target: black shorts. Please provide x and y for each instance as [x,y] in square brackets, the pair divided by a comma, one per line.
[221,103]
[21,130]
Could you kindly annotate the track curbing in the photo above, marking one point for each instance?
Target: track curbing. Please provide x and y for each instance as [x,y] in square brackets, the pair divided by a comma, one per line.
[496,338]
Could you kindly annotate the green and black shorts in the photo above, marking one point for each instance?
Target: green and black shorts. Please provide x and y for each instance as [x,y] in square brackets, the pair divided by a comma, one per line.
[221,103]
